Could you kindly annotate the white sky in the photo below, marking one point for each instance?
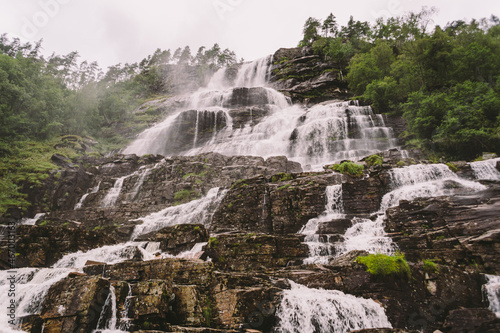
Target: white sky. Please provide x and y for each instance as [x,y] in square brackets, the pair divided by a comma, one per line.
[114,31]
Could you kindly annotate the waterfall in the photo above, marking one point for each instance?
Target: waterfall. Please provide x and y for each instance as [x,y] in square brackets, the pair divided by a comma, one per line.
[319,250]
[492,291]
[82,199]
[113,194]
[307,310]
[31,287]
[31,221]
[190,254]
[142,176]
[424,180]
[109,306]
[486,169]
[196,211]
[325,133]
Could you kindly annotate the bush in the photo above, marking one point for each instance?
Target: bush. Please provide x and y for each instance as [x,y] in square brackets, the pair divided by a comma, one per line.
[374,160]
[182,195]
[382,265]
[430,266]
[350,168]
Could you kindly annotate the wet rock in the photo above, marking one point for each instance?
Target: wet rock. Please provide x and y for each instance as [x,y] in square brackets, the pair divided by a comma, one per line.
[305,77]
[461,231]
[471,320]
[254,251]
[74,304]
[242,97]
[178,238]
[43,246]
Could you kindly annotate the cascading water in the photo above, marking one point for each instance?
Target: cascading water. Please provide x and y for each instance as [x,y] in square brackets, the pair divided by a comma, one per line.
[319,250]
[31,221]
[325,133]
[408,183]
[82,199]
[196,211]
[310,310]
[492,291]
[110,199]
[486,169]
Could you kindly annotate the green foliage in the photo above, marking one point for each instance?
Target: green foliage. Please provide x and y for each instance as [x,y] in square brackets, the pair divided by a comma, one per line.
[182,195]
[239,183]
[284,187]
[452,167]
[381,265]
[374,160]
[208,313]
[350,168]
[401,164]
[281,177]
[430,266]
[213,242]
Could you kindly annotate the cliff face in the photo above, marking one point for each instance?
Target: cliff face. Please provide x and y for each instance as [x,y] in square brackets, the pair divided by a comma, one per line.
[254,247]
[215,243]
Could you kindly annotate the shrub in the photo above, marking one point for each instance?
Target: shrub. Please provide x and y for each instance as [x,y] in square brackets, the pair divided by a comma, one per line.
[430,266]
[182,195]
[282,176]
[382,265]
[350,168]
[374,160]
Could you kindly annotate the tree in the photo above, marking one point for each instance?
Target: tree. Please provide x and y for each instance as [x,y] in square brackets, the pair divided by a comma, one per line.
[310,31]
[329,26]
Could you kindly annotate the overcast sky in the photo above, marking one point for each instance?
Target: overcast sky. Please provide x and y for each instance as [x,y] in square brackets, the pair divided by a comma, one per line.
[114,31]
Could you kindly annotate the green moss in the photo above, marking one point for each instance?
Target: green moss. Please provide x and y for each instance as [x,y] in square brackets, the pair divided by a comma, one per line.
[452,167]
[282,176]
[440,237]
[182,195]
[213,242]
[208,313]
[284,187]
[430,266]
[350,168]
[239,183]
[374,160]
[401,164]
[230,205]
[381,265]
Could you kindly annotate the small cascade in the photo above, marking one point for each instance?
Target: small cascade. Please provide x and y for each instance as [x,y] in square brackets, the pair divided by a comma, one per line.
[32,285]
[310,310]
[366,235]
[109,254]
[196,129]
[338,131]
[492,291]
[31,221]
[108,311]
[254,74]
[82,199]
[425,180]
[486,170]
[144,172]
[191,254]
[124,319]
[113,194]
[196,211]
[320,248]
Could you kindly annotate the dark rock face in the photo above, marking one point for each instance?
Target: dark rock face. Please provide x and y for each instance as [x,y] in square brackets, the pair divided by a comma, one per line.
[178,238]
[254,252]
[242,97]
[192,129]
[305,77]
[462,231]
[253,247]
[43,246]
[74,304]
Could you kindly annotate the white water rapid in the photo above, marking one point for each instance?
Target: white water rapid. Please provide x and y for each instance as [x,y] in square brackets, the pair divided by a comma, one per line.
[492,291]
[486,169]
[311,310]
